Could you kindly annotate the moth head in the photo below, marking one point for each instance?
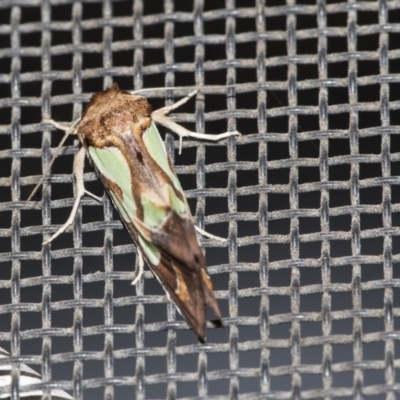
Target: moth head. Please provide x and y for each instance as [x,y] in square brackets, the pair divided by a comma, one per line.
[111,114]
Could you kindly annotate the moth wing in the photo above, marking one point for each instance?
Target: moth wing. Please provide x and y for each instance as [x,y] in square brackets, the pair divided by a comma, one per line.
[181,269]
[148,196]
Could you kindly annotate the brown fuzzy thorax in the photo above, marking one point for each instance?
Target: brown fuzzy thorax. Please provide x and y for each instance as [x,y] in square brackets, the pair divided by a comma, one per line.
[112,113]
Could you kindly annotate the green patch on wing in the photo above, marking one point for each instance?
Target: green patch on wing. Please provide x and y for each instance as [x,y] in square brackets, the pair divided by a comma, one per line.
[155,214]
[111,163]
[177,204]
[156,148]
[151,251]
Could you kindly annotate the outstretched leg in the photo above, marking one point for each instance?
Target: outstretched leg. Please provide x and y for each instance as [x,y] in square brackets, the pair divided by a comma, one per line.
[160,116]
[79,163]
[209,235]
[69,130]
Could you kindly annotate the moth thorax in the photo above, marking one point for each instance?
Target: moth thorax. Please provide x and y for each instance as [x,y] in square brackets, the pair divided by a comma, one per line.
[119,122]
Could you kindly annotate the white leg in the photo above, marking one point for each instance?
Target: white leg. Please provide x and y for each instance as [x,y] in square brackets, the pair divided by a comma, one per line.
[99,199]
[79,163]
[69,130]
[140,269]
[183,132]
[209,235]
[162,112]
[160,117]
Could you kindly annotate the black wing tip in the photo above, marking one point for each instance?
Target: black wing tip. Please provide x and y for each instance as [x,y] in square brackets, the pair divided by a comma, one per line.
[202,339]
[217,323]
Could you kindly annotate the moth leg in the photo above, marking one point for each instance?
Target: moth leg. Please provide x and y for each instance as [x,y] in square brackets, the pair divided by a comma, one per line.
[79,163]
[209,235]
[182,132]
[69,130]
[92,195]
[140,269]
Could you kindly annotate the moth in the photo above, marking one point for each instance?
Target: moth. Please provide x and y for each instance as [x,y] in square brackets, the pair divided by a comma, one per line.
[118,134]
[27,377]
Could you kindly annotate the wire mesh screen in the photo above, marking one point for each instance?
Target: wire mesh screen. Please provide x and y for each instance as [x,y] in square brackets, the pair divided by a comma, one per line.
[308,197]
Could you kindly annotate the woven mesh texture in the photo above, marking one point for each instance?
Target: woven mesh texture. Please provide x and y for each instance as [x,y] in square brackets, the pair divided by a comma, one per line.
[309,197]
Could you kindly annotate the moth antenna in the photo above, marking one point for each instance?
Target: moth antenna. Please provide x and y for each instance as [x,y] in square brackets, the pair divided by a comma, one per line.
[183,88]
[68,131]
[163,89]
[168,109]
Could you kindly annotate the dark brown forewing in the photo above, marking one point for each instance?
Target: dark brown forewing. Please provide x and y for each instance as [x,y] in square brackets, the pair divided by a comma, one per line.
[177,238]
[181,271]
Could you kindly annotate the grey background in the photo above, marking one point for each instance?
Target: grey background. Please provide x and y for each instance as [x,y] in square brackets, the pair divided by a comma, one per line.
[308,196]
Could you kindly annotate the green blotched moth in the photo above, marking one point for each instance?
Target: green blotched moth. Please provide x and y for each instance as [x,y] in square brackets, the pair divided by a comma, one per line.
[119,135]
[27,377]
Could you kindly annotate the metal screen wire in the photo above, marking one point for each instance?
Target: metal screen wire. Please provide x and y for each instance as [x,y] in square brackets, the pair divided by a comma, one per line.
[308,196]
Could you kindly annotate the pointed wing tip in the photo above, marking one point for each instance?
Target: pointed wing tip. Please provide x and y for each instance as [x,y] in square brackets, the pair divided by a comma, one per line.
[202,339]
[218,323]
